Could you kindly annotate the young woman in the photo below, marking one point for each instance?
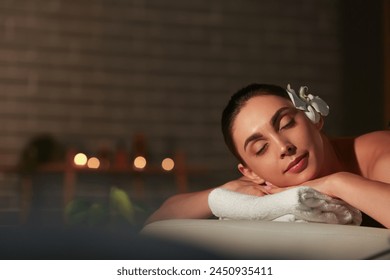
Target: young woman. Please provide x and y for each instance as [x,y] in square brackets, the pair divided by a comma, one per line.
[276,136]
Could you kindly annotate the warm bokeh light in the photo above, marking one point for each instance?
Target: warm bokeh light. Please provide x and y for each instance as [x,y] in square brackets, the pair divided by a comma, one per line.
[140,162]
[93,163]
[80,159]
[168,164]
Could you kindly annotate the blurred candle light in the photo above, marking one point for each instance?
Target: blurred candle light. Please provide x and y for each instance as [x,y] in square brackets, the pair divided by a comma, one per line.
[93,163]
[80,159]
[140,162]
[168,164]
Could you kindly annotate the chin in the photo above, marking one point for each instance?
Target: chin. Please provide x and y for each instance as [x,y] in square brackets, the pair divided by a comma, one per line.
[303,177]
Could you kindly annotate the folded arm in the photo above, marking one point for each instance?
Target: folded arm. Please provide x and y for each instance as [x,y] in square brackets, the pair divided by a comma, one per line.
[183,206]
[371,197]
[195,205]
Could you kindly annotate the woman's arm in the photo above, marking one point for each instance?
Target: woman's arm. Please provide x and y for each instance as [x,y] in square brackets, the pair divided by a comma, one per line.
[183,206]
[370,193]
[371,197]
[195,205]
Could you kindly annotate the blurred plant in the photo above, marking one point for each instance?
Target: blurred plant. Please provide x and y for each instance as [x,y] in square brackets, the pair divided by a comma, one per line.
[117,212]
[121,206]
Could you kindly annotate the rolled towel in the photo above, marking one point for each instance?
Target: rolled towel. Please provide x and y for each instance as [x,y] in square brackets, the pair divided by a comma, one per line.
[300,204]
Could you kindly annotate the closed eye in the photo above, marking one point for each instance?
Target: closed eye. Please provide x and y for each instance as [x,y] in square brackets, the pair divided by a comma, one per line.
[287,121]
[290,123]
[262,150]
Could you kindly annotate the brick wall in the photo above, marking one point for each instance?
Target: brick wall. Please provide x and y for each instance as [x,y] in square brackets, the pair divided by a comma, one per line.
[93,73]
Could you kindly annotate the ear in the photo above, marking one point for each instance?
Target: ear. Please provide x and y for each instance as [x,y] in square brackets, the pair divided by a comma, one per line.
[320,124]
[247,172]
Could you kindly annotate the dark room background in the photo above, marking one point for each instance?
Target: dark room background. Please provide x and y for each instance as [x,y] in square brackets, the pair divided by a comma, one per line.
[95,74]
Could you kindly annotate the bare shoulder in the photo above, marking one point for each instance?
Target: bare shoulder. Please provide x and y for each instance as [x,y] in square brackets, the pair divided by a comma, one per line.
[373,152]
[373,143]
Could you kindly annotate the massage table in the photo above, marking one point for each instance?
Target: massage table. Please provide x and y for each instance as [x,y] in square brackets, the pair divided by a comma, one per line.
[246,239]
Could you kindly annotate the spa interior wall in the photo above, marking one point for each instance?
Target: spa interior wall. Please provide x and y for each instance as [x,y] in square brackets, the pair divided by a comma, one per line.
[95,75]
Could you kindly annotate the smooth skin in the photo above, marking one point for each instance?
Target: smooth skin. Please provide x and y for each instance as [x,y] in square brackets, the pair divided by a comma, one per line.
[281,148]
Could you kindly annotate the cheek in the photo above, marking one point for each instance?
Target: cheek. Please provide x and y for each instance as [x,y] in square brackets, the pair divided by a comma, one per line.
[265,167]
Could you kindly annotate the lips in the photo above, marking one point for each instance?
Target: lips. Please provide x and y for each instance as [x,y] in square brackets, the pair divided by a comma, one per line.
[298,164]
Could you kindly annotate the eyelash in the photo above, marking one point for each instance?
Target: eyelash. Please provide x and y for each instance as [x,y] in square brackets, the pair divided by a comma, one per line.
[290,123]
[262,150]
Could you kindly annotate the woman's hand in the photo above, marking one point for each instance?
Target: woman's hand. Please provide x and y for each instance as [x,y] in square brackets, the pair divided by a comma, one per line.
[325,184]
[246,186]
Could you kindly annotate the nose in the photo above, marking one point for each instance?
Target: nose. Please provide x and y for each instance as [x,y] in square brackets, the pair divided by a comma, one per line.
[283,146]
[287,149]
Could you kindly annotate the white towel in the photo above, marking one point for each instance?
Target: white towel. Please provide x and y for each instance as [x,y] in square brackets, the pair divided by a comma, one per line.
[300,204]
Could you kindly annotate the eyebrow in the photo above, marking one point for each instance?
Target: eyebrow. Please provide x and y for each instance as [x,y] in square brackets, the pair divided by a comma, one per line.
[273,122]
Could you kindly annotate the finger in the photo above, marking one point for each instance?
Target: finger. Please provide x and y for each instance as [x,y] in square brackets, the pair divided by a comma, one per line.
[274,189]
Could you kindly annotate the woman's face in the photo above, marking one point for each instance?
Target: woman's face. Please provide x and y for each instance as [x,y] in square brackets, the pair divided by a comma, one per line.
[278,143]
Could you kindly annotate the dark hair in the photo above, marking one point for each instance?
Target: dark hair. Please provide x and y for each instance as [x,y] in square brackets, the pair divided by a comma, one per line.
[235,104]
